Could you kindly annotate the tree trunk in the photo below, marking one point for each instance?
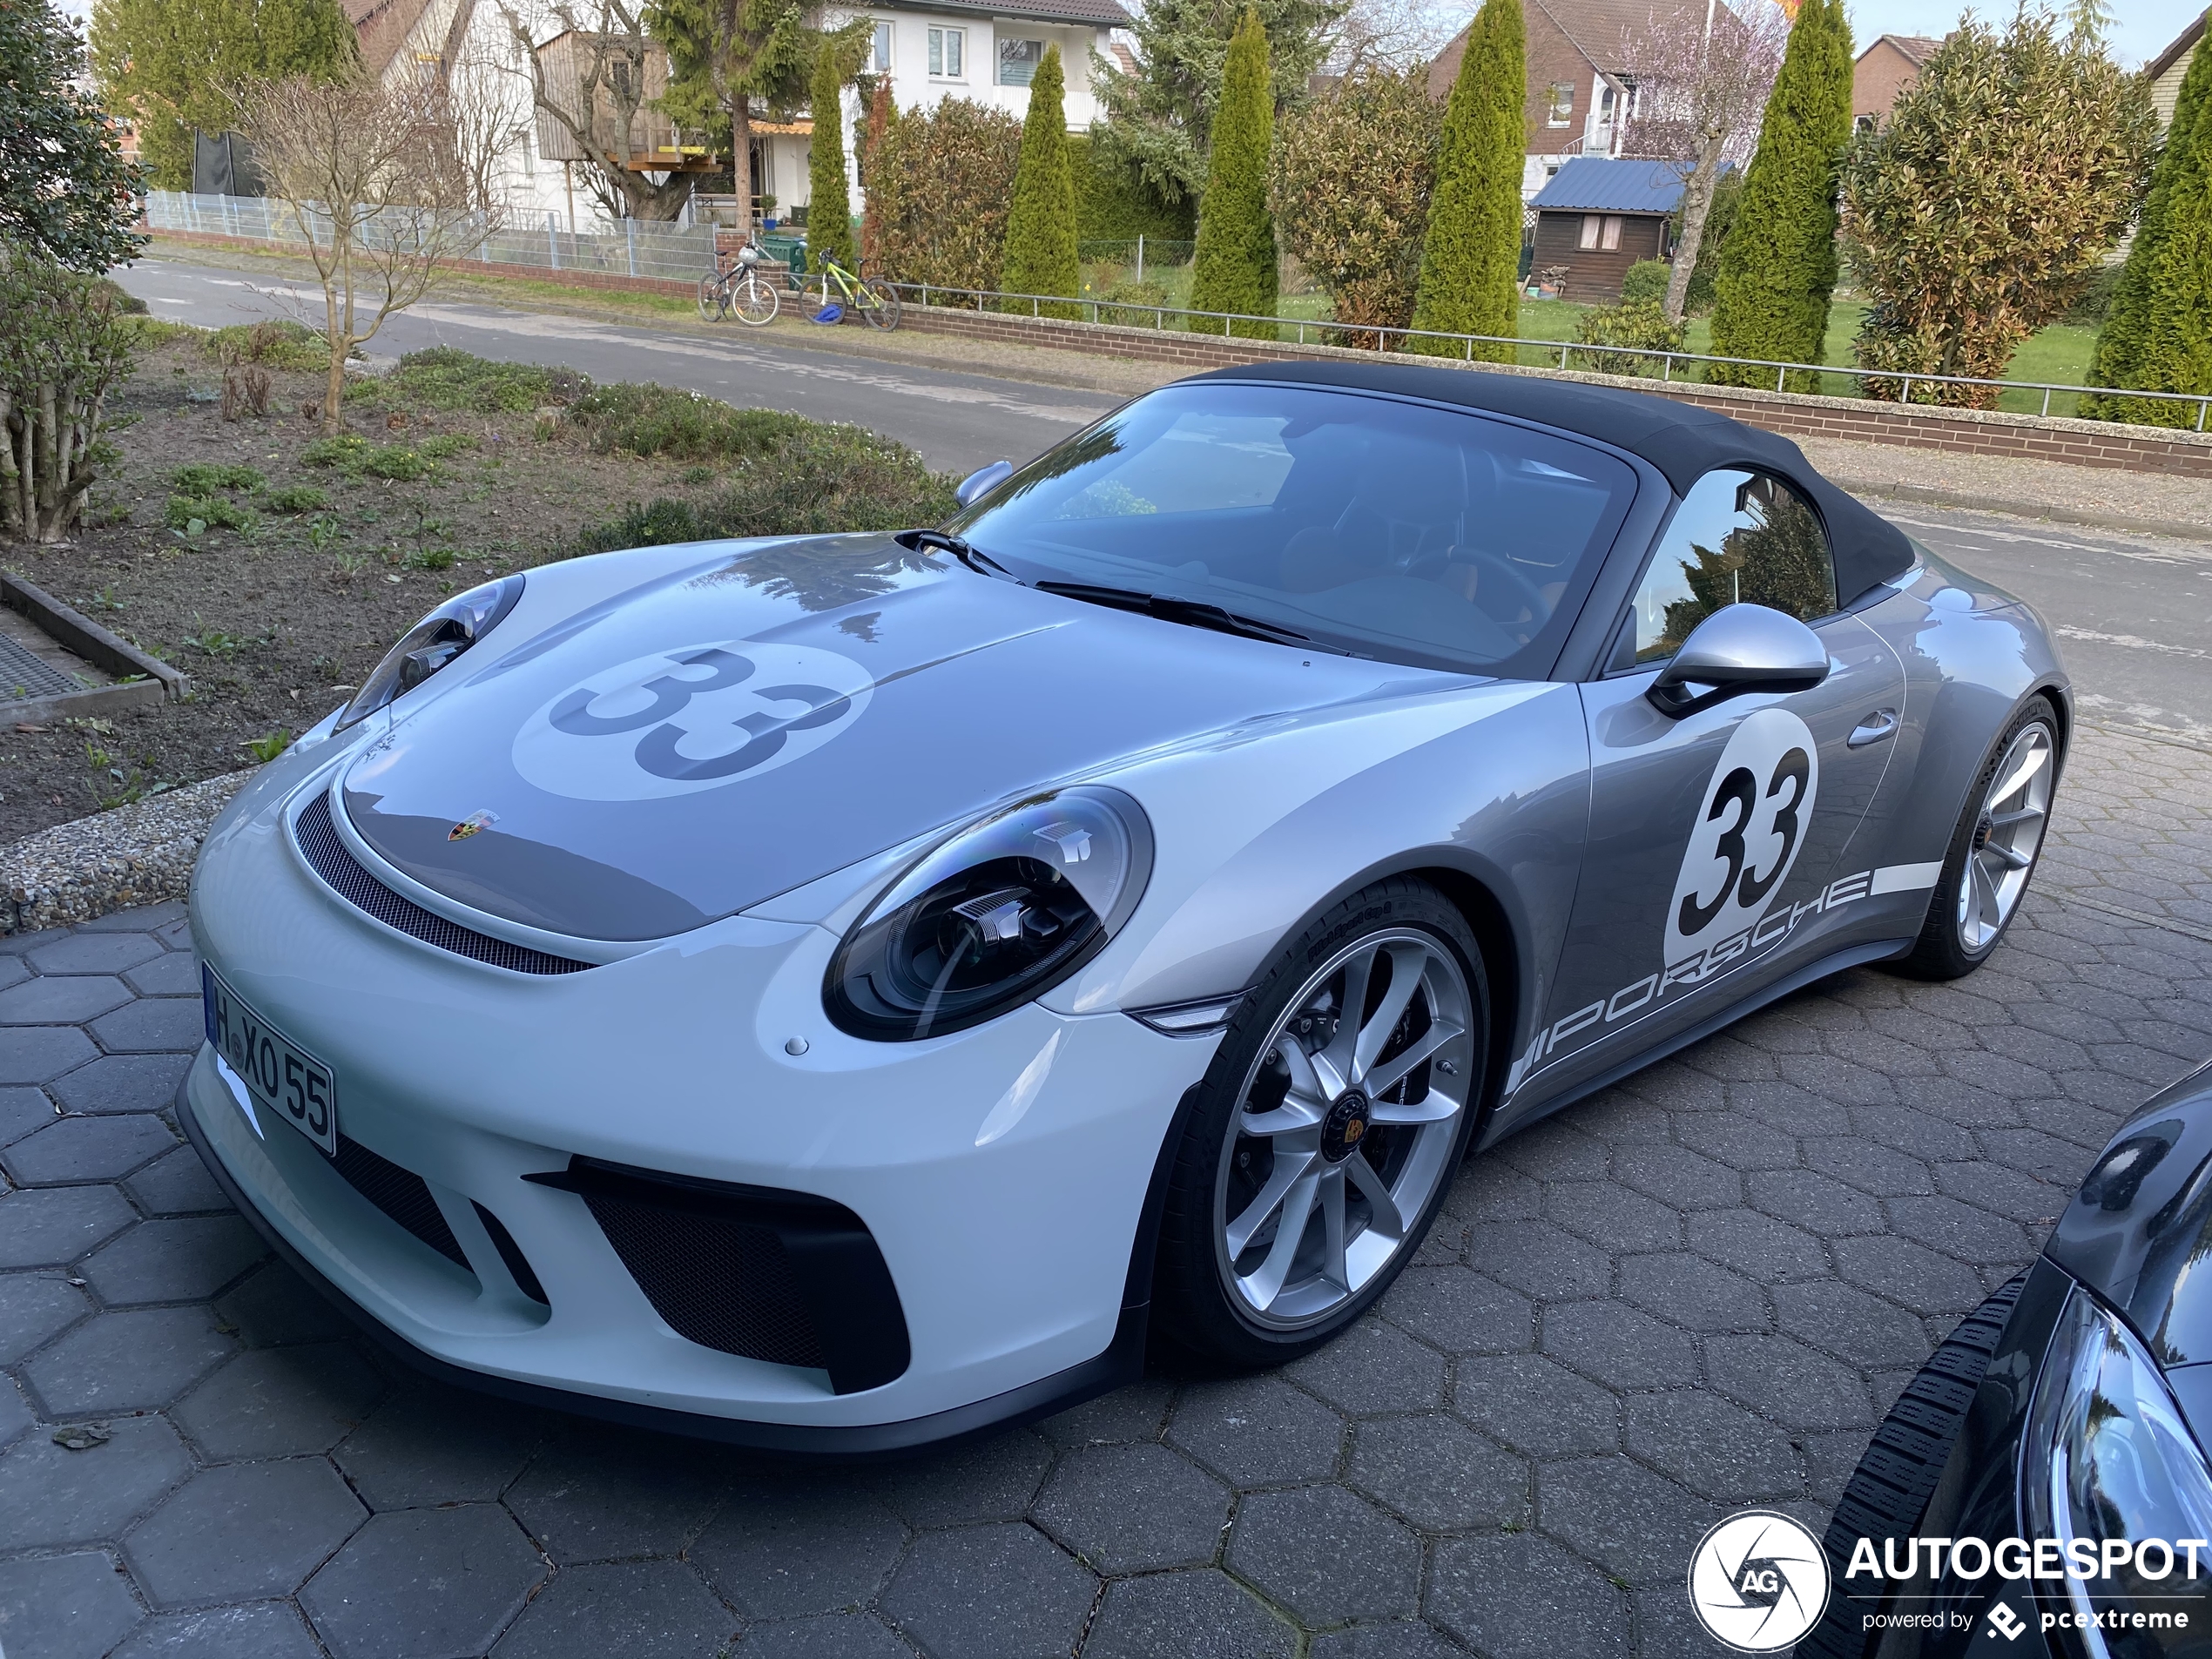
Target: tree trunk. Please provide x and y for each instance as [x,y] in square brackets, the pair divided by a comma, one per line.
[1696,204]
[741,158]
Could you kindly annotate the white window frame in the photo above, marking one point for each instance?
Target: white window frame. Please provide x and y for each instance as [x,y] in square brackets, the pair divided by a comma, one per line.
[1560,111]
[879,46]
[1005,41]
[942,37]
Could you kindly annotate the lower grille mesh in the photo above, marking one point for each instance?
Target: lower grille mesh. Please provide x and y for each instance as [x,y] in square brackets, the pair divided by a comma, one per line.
[320,843]
[400,1194]
[721,1283]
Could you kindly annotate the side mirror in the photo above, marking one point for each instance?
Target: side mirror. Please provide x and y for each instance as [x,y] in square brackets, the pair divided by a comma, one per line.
[1739,648]
[982,481]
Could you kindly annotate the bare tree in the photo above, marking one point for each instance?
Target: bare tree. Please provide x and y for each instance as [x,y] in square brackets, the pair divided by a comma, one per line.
[372,178]
[597,81]
[1392,34]
[488,102]
[1703,76]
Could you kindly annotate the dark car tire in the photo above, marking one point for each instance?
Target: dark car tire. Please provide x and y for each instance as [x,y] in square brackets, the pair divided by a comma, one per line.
[1889,1491]
[1197,1314]
[1941,952]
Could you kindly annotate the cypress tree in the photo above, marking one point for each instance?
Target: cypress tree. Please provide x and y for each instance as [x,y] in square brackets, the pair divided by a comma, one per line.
[1234,265]
[1772,288]
[2157,331]
[1471,261]
[1040,256]
[829,212]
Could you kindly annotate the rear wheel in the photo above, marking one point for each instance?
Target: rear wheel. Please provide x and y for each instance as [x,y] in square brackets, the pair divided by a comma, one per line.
[714,298]
[1993,851]
[1328,1130]
[884,314]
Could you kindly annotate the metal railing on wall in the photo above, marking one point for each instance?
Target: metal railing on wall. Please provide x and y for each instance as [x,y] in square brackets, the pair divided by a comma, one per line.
[1672,366]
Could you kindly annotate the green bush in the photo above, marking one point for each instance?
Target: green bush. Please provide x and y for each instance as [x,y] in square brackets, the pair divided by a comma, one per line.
[125,303]
[830,233]
[817,479]
[649,420]
[1113,203]
[148,332]
[1139,296]
[216,510]
[206,479]
[445,377]
[397,462]
[297,498]
[446,445]
[1235,267]
[1470,261]
[354,455]
[940,184]
[278,343]
[1040,253]
[1639,323]
[1645,280]
[344,452]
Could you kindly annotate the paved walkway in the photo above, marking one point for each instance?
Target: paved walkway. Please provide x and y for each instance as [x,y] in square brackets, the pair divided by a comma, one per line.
[1692,1294]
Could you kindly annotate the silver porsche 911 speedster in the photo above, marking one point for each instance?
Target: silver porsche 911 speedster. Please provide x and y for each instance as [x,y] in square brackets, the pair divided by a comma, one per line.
[835,993]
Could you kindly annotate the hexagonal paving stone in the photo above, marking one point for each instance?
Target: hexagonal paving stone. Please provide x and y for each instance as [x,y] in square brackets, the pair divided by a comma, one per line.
[94,953]
[1138,1412]
[636,1609]
[175,974]
[64,1606]
[16,1418]
[1373,1367]
[1200,1615]
[827,1636]
[274,1307]
[1326,1555]
[263,1630]
[993,1480]
[1711,1446]
[999,1591]
[152,1025]
[176,1185]
[141,1359]
[242,1532]
[35,1308]
[1553,1594]
[37,1054]
[279,1402]
[1459,1311]
[122,1082]
[1636,1525]
[1690,1290]
[68,1000]
[435,1445]
[176,1259]
[50,1226]
[1910,1274]
[50,1495]
[625,1494]
[1384,1639]
[1537,1405]
[22,1111]
[1845,1321]
[1133,1508]
[1439,1474]
[424,1584]
[1619,1345]
[86,1149]
[1258,1431]
[1787,1382]
[781,1550]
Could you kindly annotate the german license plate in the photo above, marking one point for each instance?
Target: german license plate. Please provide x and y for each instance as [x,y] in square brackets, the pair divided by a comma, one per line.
[285,1080]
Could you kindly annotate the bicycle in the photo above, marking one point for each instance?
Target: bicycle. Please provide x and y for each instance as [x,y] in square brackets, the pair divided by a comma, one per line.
[734,284]
[874,299]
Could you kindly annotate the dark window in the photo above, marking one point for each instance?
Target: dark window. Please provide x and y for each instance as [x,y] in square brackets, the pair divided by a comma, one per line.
[1739,537]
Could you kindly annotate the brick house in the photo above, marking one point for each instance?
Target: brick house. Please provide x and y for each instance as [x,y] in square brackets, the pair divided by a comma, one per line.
[2164,72]
[1580,83]
[1882,70]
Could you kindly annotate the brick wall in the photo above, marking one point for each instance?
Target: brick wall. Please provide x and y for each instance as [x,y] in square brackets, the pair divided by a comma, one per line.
[1881,73]
[2086,443]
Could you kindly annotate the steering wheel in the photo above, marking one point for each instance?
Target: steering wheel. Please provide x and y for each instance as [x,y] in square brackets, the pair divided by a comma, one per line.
[1494,570]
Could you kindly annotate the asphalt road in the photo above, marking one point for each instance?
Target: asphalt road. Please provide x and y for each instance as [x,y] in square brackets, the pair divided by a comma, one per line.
[2134,613]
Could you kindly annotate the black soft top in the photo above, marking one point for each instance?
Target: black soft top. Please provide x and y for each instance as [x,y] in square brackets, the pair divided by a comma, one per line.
[1684,442]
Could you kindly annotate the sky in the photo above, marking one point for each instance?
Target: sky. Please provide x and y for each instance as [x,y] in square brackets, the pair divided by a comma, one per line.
[2141,29]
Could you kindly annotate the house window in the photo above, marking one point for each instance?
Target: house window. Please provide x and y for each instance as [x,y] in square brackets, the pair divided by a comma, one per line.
[879,59]
[1602,230]
[1018,61]
[948,54]
[1862,123]
[1562,103]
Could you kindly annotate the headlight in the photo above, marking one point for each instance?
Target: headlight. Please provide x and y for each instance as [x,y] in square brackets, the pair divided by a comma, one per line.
[432,643]
[2109,1461]
[992,917]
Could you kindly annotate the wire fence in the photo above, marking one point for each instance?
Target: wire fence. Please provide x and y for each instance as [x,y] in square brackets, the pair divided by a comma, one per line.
[633,248]
[1642,362]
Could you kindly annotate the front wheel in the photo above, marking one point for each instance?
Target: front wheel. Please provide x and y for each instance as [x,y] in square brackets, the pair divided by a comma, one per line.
[1993,851]
[756,303]
[1326,1132]
[884,314]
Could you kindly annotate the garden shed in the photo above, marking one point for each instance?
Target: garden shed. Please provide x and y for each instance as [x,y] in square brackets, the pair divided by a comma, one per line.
[1596,218]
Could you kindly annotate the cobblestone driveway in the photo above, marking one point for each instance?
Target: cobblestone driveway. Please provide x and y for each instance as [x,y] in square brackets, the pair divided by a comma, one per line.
[1694,1293]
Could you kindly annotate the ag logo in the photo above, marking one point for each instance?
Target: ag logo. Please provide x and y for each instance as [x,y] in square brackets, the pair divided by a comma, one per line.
[688,719]
[1747,833]
[1758,1581]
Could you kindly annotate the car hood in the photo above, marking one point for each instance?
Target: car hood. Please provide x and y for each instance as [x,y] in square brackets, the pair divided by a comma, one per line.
[709,740]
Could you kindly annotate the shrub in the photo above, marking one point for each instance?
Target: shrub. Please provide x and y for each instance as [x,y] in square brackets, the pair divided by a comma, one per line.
[125,303]
[1114,204]
[1645,280]
[62,348]
[148,332]
[297,498]
[397,462]
[1640,323]
[1040,253]
[445,377]
[446,445]
[1234,269]
[344,452]
[649,420]
[204,480]
[1772,283]
[830,234]
[278,343]
[1720,219]
[1137,295]
[183,510]
[1470,263]
[942,180]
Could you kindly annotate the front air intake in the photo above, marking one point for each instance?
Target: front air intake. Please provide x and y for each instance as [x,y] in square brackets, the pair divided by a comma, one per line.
[321,845]
[402,1195]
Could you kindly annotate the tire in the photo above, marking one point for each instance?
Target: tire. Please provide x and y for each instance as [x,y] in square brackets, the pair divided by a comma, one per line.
[755,303]
[1956,938]
[885,314]
[1232,1285]
[1889,1492]
[714,299]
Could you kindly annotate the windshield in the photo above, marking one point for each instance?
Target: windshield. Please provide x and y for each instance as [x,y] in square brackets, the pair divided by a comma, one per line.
[1391,529]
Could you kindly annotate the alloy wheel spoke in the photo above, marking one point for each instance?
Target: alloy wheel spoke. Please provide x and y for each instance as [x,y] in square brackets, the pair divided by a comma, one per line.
[1358,973]
[1307,1082]
[1287,1119]
[1407,965]
[1432,1108]
[2012,856]
[2030,764]
[1334,1268]
[1264,1286]
[1986,910]
[1393,1071]
[2000,822]
[1369,1180]
[1290,1168]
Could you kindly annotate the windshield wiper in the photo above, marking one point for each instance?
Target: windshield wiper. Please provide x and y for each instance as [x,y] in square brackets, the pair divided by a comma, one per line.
[1193,613]
[973,557]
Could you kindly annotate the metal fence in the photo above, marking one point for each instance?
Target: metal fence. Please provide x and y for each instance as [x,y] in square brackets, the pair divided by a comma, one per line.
[631,248]
[1643,362]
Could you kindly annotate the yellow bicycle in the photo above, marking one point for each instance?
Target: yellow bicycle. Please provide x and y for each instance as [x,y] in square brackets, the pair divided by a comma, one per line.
[875,300]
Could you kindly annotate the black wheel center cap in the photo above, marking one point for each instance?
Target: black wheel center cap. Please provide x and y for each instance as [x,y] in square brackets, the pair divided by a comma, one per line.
[1344,1127]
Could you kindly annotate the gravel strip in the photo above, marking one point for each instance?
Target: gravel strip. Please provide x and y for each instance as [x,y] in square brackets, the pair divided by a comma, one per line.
[137,855]
[2030,489]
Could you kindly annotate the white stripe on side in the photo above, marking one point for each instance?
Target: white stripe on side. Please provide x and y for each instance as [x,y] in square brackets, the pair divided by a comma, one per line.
[1906,878]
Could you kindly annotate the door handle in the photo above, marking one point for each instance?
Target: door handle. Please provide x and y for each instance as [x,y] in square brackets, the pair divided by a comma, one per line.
[1876,726]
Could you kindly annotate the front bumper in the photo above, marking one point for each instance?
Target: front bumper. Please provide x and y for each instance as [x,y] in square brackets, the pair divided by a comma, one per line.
[1002,1172]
